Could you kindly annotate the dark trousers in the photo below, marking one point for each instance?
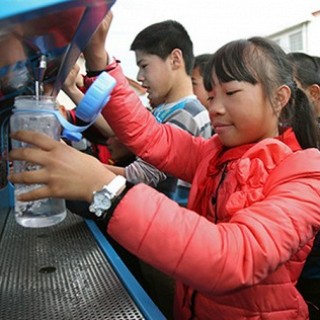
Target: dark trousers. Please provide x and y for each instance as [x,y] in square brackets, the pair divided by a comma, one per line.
[310,290]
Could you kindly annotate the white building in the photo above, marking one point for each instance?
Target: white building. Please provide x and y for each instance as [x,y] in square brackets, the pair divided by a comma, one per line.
[303,37]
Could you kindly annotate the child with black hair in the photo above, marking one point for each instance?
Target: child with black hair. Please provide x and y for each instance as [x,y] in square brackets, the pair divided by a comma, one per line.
[199,66]
[164,55]
[307,74]
[239,247]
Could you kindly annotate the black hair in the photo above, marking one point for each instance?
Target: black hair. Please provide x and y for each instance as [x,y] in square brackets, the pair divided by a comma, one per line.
[305,68]
[260,60]
[163,37]
[201,61]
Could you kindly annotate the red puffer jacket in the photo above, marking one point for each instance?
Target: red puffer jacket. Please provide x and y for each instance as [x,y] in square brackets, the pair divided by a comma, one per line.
[239,248]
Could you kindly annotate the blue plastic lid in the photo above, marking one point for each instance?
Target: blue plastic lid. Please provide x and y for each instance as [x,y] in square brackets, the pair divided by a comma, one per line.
[71,135]
[95,98]
[88,109]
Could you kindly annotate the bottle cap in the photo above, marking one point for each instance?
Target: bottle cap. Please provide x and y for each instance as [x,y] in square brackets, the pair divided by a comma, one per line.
[95,98]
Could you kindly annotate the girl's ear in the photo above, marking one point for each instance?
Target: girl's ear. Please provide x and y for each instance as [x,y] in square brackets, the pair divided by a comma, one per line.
[282,97]
[314,92]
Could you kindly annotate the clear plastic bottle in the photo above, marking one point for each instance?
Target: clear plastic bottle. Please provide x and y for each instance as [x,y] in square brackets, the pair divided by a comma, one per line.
[36,114]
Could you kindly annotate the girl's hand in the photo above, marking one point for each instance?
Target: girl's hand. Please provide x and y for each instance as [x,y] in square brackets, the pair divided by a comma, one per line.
[95,54]
[65,173]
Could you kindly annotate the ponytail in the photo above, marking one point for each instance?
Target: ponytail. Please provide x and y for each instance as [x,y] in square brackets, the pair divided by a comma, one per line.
[304,122]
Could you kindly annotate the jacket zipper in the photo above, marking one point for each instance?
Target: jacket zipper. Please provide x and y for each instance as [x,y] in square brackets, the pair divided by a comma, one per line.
[215,198]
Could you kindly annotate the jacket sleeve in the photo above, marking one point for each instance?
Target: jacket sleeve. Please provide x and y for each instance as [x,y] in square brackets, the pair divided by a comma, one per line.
[228,256]
[137,128]
[141,171]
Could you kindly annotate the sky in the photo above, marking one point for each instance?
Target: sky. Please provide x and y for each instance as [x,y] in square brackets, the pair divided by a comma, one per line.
[210,23]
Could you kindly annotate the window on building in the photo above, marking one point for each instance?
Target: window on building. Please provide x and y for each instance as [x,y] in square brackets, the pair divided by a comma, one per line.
[295,41]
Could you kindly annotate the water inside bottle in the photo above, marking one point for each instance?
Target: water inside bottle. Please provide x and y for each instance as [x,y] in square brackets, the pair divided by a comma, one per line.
[44,212]
[40,213]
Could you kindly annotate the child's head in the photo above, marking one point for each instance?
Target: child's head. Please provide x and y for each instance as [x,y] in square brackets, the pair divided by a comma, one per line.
[162,38]
[307,74]
[259,62]
[119,152]
[164,55]
[199,90]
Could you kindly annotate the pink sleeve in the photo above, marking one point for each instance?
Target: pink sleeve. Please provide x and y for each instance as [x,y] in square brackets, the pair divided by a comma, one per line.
[148,139]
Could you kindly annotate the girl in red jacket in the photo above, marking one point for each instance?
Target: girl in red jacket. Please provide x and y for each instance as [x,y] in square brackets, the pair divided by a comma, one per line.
[238,249]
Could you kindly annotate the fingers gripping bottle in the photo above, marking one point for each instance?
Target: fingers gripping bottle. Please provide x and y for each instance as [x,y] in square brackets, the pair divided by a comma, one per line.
[34,113]
[40,113]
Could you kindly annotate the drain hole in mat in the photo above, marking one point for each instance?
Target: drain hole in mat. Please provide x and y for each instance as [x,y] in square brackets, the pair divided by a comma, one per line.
[48,269]
[42,235]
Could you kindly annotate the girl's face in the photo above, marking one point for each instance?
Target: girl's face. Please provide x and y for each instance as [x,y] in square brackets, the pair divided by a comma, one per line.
[155,75]
[241,113]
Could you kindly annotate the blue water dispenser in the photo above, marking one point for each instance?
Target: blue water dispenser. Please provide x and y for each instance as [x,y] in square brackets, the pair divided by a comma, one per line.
[40,41]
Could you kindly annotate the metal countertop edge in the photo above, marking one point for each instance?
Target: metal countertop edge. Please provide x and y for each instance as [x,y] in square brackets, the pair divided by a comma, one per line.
[137,293]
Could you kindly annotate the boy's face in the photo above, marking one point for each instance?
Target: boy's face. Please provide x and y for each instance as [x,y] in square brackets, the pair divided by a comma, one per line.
[155,75]
[198,87]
